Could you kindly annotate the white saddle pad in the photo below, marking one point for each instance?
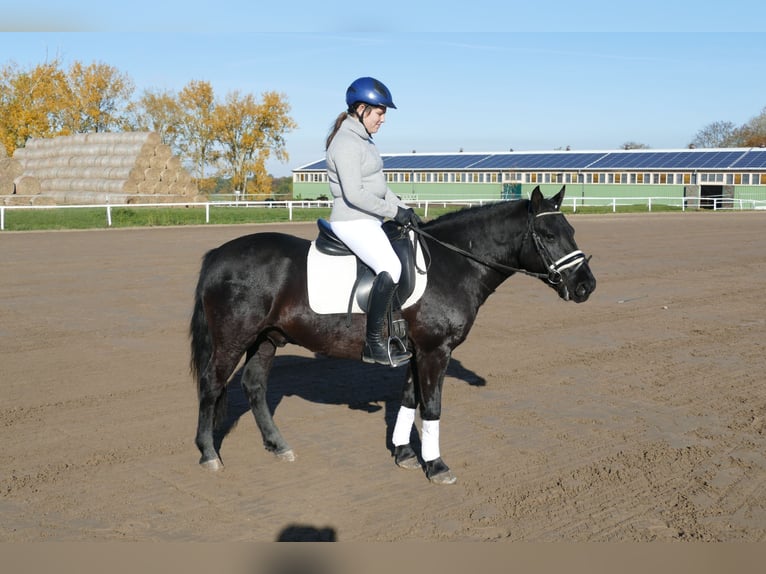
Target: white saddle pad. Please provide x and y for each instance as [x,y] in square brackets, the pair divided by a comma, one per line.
[331,279]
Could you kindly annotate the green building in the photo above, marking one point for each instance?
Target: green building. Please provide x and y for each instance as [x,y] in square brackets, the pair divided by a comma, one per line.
[695,178]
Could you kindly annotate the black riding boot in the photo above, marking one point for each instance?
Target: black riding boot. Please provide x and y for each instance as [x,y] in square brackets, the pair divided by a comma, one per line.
[377,348]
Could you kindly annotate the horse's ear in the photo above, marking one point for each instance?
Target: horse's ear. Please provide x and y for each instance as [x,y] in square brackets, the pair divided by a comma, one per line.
[558,199]
[535,200]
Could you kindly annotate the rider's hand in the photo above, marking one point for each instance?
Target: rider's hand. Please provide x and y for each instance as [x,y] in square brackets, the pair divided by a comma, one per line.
[406,216]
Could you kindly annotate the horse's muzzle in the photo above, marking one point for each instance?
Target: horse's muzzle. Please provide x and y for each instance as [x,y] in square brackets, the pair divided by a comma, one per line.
[576,283]
[582,285]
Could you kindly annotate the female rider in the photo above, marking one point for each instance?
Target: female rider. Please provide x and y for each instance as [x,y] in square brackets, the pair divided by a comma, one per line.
[362,200]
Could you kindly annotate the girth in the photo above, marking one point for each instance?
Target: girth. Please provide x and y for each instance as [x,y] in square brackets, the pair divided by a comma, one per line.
[330,244]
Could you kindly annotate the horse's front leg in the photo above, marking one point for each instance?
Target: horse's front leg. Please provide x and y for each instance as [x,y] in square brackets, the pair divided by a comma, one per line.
[404,454]
[426,381]
[255,376]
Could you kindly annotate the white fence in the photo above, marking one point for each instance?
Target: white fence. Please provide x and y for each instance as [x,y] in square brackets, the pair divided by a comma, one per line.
[573,203]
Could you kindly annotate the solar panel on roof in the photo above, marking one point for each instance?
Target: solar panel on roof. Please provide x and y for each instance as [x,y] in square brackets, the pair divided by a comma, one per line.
[447,161]
[753,159]
[555,161]
[667,160]
[321,164]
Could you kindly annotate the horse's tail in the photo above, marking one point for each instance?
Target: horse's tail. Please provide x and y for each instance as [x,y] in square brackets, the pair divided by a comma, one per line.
[202,346]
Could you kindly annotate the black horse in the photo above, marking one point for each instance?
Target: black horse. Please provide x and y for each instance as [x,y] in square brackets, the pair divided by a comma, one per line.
[251,298]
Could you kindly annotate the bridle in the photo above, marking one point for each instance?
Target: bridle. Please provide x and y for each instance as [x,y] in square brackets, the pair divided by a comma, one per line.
[555,268]
[572,260]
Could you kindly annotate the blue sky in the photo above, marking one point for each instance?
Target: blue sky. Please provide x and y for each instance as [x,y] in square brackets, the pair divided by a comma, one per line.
[485,77]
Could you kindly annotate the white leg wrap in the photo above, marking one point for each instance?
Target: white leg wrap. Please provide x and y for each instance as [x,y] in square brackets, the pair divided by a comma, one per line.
[430,440]
[404,421]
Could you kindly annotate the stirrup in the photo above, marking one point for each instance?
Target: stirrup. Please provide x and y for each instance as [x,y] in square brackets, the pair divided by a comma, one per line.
[390,359]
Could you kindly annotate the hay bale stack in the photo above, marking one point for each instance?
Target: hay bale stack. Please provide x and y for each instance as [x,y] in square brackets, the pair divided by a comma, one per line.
[102,168]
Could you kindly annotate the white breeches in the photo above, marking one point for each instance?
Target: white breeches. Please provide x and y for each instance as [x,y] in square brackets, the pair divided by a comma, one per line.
[366,238]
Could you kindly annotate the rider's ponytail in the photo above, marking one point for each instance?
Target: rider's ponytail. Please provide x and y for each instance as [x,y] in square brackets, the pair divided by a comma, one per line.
[338,121]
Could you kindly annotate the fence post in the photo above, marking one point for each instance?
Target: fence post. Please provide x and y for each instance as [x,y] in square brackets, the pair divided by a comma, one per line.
[207,212]
[290,210]
[108,215]
[2,218]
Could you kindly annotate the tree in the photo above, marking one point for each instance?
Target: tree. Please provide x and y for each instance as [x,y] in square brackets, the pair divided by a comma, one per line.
[716,134]
[753,133]
[248,133]
[196,134]
[32,103]
[160,112]
[99,96]
[282,187]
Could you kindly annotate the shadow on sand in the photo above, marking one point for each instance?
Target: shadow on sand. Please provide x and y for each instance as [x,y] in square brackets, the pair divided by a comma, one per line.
[324,380]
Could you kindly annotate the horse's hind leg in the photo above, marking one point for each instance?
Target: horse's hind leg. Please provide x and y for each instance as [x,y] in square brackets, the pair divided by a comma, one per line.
[254,380]
[212,410]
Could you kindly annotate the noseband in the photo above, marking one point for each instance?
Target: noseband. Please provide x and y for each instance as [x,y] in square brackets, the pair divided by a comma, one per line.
[571,260]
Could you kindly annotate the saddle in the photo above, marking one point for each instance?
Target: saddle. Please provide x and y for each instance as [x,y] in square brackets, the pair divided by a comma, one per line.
[330,244]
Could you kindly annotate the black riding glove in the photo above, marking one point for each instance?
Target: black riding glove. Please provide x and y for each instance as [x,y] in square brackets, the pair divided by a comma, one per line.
[406,217]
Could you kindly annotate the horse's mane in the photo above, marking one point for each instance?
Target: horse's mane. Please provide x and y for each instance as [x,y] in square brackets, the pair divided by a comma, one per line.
[478,213]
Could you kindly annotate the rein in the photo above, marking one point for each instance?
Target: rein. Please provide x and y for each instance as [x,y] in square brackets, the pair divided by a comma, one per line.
[553,276]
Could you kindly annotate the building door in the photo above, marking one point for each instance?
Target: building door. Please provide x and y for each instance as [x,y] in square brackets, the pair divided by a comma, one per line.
[716,196]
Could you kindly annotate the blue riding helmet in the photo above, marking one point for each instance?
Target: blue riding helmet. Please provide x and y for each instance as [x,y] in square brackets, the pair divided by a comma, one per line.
[369,91]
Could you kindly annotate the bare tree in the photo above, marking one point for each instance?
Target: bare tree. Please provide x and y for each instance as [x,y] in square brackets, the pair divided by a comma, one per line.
[717,134]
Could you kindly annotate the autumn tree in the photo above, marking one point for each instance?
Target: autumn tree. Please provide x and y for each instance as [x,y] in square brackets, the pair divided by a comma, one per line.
[159,112]
[196,133]
[248,133]
[32,103]
[98,98]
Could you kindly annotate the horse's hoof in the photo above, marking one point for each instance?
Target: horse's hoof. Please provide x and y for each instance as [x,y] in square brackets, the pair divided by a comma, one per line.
[285,456]
[443,478]
[405,457]
[439,473]
[410,463]
[214,464]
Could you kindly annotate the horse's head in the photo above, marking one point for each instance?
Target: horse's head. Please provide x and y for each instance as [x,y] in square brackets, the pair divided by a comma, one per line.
[553,250]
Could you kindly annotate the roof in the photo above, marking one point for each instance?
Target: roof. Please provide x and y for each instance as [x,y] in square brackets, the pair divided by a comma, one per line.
[614,160]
